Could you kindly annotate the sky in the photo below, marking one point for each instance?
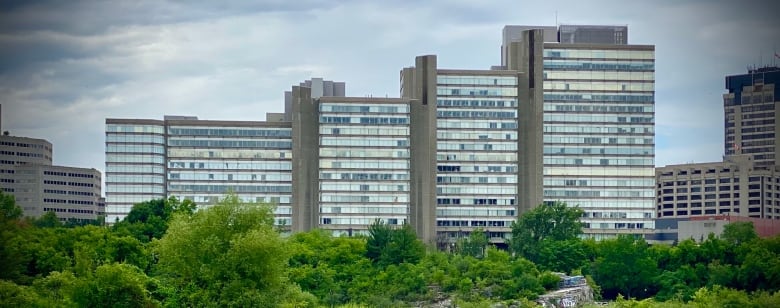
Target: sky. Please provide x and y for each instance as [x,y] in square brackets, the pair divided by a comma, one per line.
[66,66]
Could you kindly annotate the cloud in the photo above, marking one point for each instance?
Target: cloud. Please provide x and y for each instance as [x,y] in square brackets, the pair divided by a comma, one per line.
[67,65]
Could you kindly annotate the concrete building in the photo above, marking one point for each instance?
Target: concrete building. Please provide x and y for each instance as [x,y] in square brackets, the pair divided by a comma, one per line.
[200,160]
[319,88]
[26,172]
[351,159]
[750,108]
[487,126]
[74,194]
[737,186]
[459,150]
[599,124]
[593,34]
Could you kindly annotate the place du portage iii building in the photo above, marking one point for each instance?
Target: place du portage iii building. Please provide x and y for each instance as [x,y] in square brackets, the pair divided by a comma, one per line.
[27,173]
[458,150]
[599,125]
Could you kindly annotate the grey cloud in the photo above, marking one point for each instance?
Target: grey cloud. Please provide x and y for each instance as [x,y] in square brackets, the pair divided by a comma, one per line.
[90,17]
[65,66]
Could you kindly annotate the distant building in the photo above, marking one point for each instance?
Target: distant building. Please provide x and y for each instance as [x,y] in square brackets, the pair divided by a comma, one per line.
[750,109]
[27,173]
[735,187]
[593,34]
[698,228]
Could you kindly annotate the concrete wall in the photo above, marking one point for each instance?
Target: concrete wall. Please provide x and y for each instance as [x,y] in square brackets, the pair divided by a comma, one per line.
[419,84]
[305,161]
[526,58]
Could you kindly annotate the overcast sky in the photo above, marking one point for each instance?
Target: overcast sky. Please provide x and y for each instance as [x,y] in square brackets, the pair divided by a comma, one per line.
[65,66]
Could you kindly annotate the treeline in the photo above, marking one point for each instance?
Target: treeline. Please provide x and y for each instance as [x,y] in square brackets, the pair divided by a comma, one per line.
[167,254]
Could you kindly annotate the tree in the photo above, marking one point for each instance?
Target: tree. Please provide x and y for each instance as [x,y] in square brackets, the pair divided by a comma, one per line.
[114,285]
[149,220]
[8,208]
[48,220]
[739,232]
[226,255]
[625,266]
[475,244]
[536,232]
[386,245]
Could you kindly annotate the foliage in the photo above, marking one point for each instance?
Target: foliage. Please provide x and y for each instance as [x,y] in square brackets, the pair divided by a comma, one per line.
[227,255]
[149,220]
[624,265]
[475,244]
[739,232]
[387,245]
[231,255]
[48,220]
[114,285]
[548,235]
[8,209]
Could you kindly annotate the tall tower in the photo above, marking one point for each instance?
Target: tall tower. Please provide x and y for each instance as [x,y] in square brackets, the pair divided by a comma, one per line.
[599,124]
[750,110]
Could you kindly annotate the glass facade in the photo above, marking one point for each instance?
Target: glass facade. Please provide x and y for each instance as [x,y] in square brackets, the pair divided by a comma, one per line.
[204,163]
[200,161]
[363,165]
[476,154]
[749,115]
[135,166]
[599,135]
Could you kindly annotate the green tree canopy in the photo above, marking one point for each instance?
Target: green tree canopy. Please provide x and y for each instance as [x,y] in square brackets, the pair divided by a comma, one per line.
[387,245]
[8,208]
[739,232]
[548,234]
[475,244]
[149,220]
[624,266]
[226,255]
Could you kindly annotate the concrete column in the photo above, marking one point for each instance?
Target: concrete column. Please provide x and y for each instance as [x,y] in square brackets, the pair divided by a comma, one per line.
[419,84]
[526,58]
[305,161]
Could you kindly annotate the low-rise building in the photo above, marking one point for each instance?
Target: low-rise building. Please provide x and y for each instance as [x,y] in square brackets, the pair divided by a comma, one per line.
[735,187]
[27,173]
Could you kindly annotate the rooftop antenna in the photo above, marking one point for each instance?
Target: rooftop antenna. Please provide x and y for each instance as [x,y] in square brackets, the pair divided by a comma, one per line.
[556,18]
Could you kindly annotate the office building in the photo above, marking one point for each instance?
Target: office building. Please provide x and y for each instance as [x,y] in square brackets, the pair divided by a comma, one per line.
[487,130]
[737,186]
[27,173]
[351,160]
[599,125]
[464,149]
[135,164]
[200,160]
[593,34]
[71,193]
[750,109]
[16,151]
